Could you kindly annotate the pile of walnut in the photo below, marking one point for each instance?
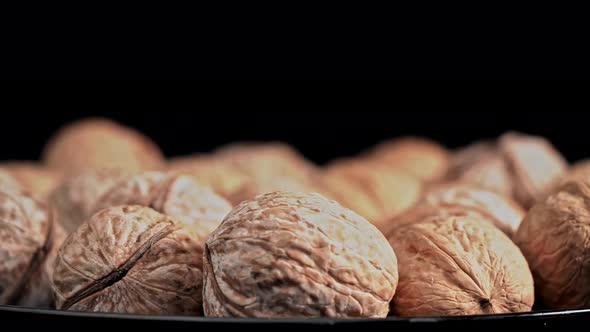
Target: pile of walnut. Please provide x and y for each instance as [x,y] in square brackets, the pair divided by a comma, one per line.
[105,223]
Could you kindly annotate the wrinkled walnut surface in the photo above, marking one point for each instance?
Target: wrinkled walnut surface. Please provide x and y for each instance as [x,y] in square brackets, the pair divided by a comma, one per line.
[297,255]
[28,238]
[76,197]
[421,157]
[101,143]
[456,265]
[555,239]
[130,259]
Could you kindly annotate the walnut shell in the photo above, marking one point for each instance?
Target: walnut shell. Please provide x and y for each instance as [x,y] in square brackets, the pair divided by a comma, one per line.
[536,165]
[375,191]
[33,177]
[101,143]
[483,165]
[130,259]
[76,197]
[8,183]
[177,196]
[505,213]
[421,157]
[457,265]
[297,255]
[554,238]
[579,171]
[28,239]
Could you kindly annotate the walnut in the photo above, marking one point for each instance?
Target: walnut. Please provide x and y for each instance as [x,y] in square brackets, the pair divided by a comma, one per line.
[130,259]
[28,242]
[8,183]
[101,143]
[375,191]
[177,196]
[483,165]
[458,265]
[423,158]
[33,177]
[297,255]
[536,165]
[554,238]
[505,213]
[579,171]
[75,198]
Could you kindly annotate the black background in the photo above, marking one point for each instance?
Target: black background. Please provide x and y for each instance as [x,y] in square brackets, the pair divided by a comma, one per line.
[320,135]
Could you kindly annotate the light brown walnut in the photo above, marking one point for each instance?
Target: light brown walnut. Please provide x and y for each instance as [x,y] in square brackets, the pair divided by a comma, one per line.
[457,265]
[8,183]
[374,190]
[28,242]
[297,255]
[33,177]
[422,157]
[579,171]
[101,143]
[177,196]
[555,238]
[130,259]
[75,198]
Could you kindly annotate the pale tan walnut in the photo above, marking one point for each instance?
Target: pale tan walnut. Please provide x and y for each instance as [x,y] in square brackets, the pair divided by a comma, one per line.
[483,165]
[8,183]
[33,177]
[536,165]
[28,240]
[554,237]
[297,255]
[422,157]
[579,171]
[130,259]
[458,265]
[74,199]
[503,211]
[375,191]
[101,143]
[177,196]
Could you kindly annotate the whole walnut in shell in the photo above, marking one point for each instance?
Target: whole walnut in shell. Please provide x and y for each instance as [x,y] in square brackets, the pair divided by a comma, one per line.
[554,238]
[75,198]
[101,143]
[375,191]
[130,259]
[297,255]
[177,196]
[421,157]
[28,242]
[453,264]
[33,177]
[505,213]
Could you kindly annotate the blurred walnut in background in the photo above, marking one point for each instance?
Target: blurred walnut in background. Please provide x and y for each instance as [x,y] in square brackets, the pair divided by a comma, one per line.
[101,143]
[29,239]
[8,183]
[33,177]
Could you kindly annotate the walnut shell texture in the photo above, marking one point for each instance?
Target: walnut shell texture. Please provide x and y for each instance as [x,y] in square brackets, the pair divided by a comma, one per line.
[33,177]
[456,265]
[289,254]
[423,158]
[375,191]
[27,239]
[536,165]
[101,143]
[130,259]
[76,197]
[505,213]
[554,237]
[177,196]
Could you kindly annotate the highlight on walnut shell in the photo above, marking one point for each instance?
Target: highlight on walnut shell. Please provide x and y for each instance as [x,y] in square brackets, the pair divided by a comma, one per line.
[74,199]
[457,265]
[28,240]
[422,157]
[297,255]
[554,238]
[101,143]
[177,196]
[375,191]
[33,177]
[505,213]
[130,259]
